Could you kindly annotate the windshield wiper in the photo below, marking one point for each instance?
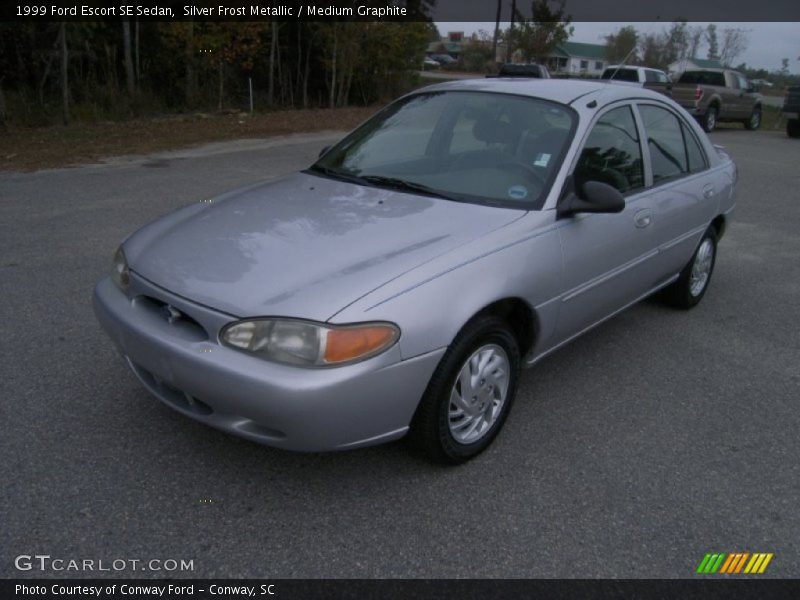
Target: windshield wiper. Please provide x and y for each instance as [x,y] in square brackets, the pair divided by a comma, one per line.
[407,186]
[333,173]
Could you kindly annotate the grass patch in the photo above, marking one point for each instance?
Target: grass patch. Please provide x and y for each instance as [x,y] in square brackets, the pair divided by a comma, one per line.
[31,149]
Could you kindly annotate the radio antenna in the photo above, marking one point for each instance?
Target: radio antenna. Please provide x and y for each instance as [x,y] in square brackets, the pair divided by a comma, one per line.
[623,63]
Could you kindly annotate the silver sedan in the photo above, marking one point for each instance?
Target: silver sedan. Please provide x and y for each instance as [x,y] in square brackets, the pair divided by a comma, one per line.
[397,286]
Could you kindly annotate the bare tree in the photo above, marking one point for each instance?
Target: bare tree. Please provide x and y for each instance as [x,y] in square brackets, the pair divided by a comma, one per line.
[496,30]
[695,38]
[64,72]
[191,83]
[620,45]
[2,105]
[734,42]
[711,40]
[126,43]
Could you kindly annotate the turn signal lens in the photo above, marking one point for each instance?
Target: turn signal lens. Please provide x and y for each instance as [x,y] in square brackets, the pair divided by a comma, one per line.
[343,345]
[120,273]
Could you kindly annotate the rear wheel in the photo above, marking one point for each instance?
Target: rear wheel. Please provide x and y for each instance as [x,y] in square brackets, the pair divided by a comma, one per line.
[470,394]
[709,120]
[754,122]
[793,128]
[691,285]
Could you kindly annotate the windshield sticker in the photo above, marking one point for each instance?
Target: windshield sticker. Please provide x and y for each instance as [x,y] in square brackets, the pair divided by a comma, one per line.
[542,159]
[517,192]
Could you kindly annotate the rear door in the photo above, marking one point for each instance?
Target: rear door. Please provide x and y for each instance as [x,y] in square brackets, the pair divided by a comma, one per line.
[746,101]
[734,103]
[683,192]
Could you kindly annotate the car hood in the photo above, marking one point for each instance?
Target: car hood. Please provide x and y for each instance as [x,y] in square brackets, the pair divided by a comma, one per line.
[304,246]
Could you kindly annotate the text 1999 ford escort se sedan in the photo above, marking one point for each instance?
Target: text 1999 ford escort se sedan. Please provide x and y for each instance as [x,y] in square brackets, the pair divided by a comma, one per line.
[398,285]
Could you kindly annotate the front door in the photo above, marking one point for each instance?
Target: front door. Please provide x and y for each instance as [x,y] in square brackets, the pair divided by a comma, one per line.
[608,258]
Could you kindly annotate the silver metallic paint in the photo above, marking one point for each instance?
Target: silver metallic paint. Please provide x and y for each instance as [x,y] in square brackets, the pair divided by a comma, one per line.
[314,248]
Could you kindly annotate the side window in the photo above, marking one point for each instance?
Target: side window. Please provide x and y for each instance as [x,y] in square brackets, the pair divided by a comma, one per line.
[612,153]
[584,65]
[734,82]
[662,78]
[742,82]
[598,65]
[697,159]
[665,140]
[650,76]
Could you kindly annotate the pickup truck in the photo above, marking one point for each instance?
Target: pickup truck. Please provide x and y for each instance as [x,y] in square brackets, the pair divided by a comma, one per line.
[635,74]
[715,95]
[791,110]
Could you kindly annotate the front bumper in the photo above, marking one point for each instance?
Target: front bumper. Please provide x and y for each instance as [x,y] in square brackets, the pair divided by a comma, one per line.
[288,407]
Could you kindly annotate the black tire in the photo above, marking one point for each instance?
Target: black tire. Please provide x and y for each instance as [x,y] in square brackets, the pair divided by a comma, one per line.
[793,128]
[754,121]
[430,431]
[709,120]
[679,294]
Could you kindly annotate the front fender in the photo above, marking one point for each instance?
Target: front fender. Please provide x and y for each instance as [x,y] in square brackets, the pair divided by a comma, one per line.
[431,305]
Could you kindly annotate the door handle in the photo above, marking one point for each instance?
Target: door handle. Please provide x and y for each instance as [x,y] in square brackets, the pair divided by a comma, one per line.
[708,191]
[643,218]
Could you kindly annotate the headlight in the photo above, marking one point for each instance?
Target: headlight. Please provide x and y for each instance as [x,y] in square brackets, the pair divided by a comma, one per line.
[120,273]
[309,344]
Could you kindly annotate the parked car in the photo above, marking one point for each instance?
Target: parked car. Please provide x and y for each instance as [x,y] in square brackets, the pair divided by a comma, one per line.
[398,285]
[635,74]
[716,95]
[443,59]
[428,63]
[791,110]
[523,70]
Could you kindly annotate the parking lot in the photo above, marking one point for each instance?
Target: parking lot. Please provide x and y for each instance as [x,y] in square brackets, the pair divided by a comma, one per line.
[657,437]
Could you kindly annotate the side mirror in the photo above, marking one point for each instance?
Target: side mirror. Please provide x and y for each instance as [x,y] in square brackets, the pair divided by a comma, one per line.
[595,197]
[323,151]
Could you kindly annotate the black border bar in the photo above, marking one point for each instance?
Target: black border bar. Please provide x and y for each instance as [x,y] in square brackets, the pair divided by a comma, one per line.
[396,10]
[420,589]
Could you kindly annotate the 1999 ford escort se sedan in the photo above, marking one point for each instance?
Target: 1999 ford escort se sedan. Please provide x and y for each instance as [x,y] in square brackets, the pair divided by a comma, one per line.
[397,286]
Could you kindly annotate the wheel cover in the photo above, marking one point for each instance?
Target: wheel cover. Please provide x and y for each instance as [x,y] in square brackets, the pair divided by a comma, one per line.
[711,119]
[478,394]
[755,119]
[701,267]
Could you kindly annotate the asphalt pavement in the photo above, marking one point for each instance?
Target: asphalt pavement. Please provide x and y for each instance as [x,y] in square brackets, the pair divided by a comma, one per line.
[656,438]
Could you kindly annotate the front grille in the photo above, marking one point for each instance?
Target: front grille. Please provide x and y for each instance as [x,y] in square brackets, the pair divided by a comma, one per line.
[173,316]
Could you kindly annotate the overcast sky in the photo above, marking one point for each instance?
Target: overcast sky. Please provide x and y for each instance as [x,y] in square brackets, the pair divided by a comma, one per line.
[769,42]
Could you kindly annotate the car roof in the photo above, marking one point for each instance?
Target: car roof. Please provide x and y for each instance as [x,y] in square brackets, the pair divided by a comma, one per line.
[563,91]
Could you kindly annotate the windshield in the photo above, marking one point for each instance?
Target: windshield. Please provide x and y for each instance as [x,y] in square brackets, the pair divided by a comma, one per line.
[471,146]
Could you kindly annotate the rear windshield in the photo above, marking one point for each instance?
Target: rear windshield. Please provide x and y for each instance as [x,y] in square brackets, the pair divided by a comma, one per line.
[621,75]
[521,70]
[703,78]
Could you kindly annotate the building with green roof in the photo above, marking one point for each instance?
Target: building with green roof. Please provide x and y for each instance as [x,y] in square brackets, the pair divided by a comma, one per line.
[578,57]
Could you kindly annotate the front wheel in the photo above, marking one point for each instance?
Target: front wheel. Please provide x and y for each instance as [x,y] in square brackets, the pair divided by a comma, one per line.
[691,285]
[470,394]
